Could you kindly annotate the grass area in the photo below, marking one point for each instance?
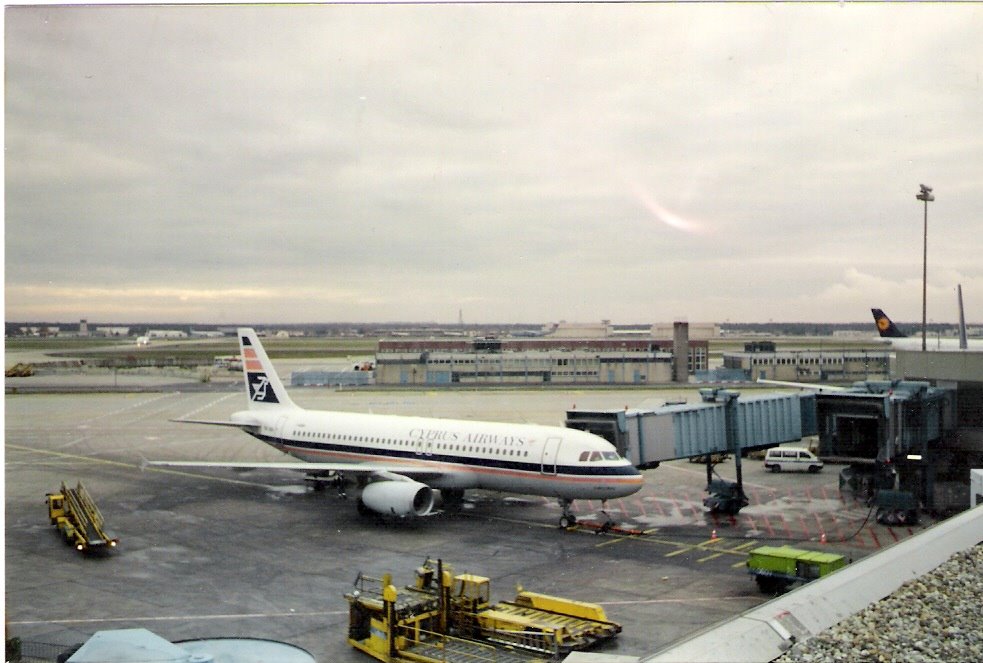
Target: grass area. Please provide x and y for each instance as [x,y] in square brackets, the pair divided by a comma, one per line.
[191,350]
[55,344]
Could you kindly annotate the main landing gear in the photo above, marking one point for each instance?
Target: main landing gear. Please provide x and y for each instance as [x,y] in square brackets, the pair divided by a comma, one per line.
[453,498]
[319,481]
[567,519]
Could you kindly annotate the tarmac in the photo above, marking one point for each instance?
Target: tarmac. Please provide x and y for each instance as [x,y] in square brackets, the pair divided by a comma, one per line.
[259,554]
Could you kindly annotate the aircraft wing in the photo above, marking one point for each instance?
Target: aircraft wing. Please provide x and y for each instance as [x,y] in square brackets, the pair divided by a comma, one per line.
[209,422]
[392,471]
[803,385]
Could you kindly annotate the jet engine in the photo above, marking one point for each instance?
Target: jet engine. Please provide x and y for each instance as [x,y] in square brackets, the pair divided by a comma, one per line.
[398,498]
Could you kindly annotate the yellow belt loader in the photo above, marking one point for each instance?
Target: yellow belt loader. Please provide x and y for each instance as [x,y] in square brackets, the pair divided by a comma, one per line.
[450,618]
[77,517]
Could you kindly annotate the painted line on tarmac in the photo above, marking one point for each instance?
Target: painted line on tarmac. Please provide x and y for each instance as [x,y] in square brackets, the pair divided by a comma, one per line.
[137,466]
[681,547]
[514,521]
[175,618]
[702,472]
[213,403]
[129,406]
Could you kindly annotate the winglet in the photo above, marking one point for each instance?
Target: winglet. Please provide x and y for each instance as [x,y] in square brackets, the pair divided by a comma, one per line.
[885,327]
[263,386]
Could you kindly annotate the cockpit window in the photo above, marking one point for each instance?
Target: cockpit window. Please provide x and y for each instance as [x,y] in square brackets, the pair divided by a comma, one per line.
[595,456]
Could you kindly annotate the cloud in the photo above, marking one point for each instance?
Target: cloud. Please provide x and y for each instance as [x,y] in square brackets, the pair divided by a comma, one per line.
[392,162]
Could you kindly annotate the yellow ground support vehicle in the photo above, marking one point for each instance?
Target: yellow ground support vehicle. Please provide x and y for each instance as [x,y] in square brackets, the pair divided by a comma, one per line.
[450,618]
[77,517]
[19,371]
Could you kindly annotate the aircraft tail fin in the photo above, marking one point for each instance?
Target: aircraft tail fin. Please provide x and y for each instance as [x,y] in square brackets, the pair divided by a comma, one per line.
[963,342]
[885,327]
[263,385]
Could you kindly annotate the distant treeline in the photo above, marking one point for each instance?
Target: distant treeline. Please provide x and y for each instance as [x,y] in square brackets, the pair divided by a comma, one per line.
[382,329]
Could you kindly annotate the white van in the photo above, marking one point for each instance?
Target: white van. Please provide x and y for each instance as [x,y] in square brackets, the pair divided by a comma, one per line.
[792,459]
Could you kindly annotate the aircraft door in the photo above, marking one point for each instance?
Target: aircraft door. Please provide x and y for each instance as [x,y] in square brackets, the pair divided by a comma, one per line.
[424,447]
[279,431]
[551,449]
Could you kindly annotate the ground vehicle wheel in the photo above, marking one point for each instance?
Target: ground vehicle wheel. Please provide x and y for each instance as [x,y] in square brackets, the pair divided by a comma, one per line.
[769,585]
[776,468]
[813,469]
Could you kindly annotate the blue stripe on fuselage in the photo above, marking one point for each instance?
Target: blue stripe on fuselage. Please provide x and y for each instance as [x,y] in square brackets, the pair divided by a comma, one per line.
[586,470]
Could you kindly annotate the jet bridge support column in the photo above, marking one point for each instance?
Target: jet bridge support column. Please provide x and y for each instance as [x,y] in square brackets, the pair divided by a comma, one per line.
[725,496]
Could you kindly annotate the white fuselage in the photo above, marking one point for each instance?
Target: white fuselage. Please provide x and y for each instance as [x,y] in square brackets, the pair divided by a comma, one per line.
[933,343]
[520,458]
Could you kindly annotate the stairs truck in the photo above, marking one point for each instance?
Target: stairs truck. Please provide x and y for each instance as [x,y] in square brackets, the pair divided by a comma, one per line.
[79,520]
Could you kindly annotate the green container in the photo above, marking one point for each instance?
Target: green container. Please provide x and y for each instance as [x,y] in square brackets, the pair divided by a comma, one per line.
[775,568]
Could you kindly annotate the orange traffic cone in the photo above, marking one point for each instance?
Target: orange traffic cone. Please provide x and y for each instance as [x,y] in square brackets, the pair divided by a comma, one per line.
[822,537]
[713,535]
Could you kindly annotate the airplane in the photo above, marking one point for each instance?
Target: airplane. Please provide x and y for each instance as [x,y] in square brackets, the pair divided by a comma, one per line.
[901,341]
[398,461]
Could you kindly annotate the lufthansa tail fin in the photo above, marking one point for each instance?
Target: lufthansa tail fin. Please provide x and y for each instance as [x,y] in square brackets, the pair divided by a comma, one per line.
[263,386]
[885,327]
[963,341]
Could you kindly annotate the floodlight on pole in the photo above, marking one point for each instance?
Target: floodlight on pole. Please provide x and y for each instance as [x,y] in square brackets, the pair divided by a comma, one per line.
[926,196]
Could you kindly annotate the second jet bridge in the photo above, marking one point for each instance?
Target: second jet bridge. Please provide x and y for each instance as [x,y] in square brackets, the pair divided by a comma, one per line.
[648,437]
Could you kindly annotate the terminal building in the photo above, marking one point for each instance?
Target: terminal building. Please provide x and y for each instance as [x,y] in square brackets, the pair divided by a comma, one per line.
[601,360]
[760,361]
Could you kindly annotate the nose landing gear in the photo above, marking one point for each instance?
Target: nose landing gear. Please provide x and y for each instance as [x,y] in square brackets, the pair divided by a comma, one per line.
[568,519]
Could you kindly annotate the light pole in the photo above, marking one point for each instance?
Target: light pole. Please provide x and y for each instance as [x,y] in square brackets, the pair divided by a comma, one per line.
[926,196]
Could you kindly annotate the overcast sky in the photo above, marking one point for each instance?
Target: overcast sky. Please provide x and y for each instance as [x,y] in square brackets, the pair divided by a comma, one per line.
[518,163]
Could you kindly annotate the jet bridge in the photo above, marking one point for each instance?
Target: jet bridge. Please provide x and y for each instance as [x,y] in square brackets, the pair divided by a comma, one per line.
[722,423]
[647,437]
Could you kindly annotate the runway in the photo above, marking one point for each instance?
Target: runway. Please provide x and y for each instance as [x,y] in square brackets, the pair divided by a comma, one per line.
[258,554]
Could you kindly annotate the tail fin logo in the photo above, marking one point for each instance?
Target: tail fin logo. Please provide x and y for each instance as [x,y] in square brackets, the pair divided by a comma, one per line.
[260,390]
[883,324]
